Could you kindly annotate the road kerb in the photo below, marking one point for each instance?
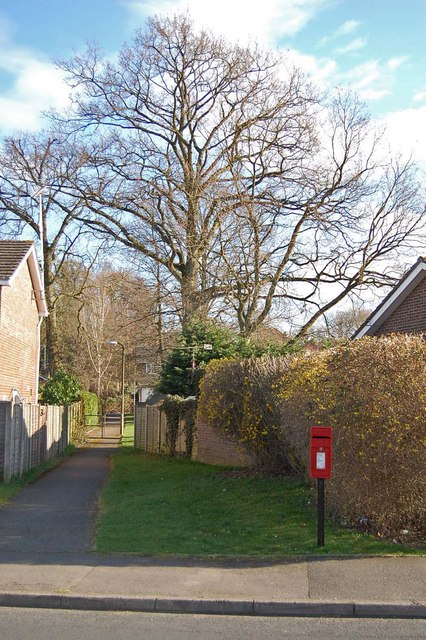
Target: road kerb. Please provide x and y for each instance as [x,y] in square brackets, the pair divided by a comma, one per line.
[215,607]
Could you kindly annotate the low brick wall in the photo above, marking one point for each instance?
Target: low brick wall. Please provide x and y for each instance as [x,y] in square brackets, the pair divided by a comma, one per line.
[210,446]
[213,447]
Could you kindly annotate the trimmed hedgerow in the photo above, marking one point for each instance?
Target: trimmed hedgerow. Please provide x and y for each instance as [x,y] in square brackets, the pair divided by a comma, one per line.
[372,391]
[91,408]
[240,399]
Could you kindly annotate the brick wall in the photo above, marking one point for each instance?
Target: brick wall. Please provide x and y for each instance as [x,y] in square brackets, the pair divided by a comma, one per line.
[210,446]
[18,338]
[214,448]
[410,316]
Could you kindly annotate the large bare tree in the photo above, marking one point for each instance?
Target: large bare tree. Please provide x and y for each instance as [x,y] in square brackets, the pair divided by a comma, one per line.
[164,128]
[225,168]
[331,234]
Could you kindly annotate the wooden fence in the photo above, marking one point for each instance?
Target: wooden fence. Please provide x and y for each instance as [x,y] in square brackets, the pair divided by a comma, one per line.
[151,430]
[32,434]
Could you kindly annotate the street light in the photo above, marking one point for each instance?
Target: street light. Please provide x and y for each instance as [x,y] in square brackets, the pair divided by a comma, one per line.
[115,343]
[193,348]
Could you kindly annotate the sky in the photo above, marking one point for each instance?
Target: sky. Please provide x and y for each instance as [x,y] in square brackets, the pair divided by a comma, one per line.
[375,47]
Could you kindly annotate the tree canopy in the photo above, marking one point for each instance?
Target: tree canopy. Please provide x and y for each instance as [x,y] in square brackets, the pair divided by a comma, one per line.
[245,190]
[226,168]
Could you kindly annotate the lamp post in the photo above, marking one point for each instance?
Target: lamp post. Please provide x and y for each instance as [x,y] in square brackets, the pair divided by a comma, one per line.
[115,342]
[193,349]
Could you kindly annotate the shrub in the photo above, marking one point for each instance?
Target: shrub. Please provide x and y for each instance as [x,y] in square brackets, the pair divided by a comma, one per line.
[372,391]
[188,414]
[380,418]
[170,407]
[61,389]
[240,398]
[178,377]
[91,408]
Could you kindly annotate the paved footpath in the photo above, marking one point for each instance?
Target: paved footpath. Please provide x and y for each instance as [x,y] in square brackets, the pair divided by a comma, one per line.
[46,561]
[55,513]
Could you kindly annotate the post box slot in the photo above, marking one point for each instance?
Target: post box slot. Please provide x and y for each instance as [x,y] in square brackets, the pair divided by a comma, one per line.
[321,442]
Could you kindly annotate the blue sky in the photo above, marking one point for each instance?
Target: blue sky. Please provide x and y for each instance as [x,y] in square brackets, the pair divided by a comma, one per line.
[377,47]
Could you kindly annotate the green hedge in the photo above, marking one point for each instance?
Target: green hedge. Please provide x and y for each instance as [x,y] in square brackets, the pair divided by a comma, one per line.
[372,391]
[61,389]
[91,408]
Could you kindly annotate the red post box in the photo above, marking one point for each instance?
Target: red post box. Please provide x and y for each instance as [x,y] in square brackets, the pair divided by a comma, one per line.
[321,450]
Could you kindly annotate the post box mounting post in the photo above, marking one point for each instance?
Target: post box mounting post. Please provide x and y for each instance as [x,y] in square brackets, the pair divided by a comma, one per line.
[320,468]
[321,510]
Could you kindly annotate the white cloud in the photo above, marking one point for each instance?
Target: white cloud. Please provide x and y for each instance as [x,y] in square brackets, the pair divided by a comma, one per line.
[394,63]
[363,75]
[370,93]
[420,96]
[7,29]
[347,27]
[354,45]
[373,79]
[35,85]
[407,134]
[322,71]
[239,19]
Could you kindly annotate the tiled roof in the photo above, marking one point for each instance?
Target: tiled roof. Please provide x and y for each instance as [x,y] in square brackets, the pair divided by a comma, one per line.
[12,252]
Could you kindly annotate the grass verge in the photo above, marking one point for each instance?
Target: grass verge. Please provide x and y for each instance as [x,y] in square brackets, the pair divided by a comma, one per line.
[128,439]
[9,489]
[160,506]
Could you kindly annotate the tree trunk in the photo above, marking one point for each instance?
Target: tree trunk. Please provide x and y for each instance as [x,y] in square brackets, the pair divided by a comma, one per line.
[190,295]
[52,351]
[159,320]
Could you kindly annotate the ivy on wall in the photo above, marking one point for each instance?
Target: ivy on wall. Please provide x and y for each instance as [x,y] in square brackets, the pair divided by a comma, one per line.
[179,410]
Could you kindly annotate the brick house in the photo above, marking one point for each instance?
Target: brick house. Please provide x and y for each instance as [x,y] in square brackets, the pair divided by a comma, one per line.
[22,308]
[404,308]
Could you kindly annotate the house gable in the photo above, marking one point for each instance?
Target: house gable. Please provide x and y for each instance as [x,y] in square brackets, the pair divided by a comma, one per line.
[404,308]
[22,307]
[16,255]
[19,339]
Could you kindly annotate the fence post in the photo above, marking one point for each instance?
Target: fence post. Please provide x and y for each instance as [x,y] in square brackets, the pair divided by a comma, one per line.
[146,427]
[22,434]
[7,467]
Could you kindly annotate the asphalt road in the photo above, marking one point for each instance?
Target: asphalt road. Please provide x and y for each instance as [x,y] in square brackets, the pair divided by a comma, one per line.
[46,624]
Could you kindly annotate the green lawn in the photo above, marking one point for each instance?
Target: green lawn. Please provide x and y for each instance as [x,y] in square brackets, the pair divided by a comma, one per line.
[158,506]
[129,433]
